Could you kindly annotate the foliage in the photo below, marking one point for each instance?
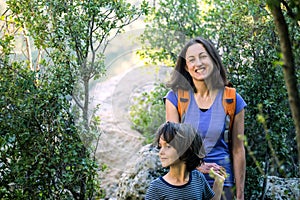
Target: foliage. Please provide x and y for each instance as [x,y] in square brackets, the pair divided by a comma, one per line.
[146,112]
[81,31]
[42,152]
[251,63]
[277,9]
[166,32]
[244,33]
[42,155]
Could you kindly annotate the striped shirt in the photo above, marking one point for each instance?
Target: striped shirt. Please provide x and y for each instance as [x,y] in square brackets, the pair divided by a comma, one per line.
[197,188]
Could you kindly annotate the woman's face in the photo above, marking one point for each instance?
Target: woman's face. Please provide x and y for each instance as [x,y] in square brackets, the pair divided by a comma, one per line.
[198,62]
[167,153]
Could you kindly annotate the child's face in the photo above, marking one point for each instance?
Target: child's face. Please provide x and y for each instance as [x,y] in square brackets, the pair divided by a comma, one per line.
[167,154]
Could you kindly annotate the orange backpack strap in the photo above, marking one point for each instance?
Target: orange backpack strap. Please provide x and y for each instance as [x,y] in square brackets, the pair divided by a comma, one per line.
[183,102]
[229,103]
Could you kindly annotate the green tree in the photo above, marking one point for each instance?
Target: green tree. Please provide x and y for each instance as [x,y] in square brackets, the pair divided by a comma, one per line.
[42,152]
[81,31]
[169,25]
[42,155]
[247,37]
[286,46]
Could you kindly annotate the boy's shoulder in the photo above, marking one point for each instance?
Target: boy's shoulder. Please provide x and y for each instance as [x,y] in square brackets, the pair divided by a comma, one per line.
[197,174]
[156,180]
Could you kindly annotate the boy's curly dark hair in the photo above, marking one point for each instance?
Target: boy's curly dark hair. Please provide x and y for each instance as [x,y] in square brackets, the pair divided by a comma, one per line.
[184,138]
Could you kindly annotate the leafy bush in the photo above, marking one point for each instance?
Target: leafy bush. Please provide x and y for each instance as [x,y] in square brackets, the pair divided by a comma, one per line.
[42,155]
[147,112]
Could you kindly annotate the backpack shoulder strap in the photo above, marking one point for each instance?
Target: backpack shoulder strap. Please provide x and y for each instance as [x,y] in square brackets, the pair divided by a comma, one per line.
[183,102]
[229,103]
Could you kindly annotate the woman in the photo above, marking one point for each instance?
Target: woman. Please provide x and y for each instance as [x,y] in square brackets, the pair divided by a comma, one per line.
[180,149]
[199,69]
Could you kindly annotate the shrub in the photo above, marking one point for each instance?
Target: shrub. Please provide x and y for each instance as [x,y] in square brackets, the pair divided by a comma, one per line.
[147,112]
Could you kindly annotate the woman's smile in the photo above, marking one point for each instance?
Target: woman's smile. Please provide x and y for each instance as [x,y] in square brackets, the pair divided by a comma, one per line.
[198,62]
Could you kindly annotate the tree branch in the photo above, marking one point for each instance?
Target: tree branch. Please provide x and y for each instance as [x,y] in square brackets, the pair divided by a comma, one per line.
[77,101]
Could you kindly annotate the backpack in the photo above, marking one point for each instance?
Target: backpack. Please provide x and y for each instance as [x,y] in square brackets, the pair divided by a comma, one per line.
[229,103]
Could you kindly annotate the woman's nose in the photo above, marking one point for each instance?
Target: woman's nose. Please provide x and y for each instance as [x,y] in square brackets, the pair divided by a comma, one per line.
[198,62]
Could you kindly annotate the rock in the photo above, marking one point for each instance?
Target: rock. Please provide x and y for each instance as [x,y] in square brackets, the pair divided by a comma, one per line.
[134,183]
[146,166]
[283,188]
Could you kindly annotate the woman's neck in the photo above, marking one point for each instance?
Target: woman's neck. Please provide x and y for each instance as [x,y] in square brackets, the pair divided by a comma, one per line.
[204,96]
[201,88]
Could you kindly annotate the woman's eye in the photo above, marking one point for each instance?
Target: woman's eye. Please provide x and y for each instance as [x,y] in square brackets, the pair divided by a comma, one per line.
[202,56]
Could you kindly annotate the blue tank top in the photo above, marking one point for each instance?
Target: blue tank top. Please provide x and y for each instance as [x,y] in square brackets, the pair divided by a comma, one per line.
[210,125]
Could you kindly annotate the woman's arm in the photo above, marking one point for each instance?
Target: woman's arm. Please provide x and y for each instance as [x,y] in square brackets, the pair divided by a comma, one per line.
[171,112]
[238,153]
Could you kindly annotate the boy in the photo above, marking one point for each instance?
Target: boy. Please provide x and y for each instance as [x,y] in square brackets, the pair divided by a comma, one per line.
[180,149]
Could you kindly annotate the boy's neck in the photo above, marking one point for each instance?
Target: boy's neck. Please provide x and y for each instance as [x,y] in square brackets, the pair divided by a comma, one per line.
[177,175]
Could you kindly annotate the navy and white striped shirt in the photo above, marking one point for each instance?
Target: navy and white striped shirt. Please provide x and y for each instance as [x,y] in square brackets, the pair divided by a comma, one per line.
[197,188]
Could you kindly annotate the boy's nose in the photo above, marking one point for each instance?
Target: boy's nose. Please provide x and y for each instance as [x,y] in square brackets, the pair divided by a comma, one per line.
[161,151]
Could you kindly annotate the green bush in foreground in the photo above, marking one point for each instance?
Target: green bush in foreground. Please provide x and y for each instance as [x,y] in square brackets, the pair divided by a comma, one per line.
[42,155]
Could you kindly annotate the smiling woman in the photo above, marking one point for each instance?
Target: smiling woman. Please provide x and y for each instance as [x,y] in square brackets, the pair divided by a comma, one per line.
[199,73]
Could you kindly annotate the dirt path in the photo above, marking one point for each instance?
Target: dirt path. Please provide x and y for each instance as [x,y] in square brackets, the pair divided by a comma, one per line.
[119,144]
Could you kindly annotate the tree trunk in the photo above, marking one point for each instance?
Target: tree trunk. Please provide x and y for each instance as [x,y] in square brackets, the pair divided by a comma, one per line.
[288,66]
[86,104]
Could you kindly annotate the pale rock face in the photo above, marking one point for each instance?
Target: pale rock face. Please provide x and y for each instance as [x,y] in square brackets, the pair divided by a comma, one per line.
[134,183]
[283,188]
